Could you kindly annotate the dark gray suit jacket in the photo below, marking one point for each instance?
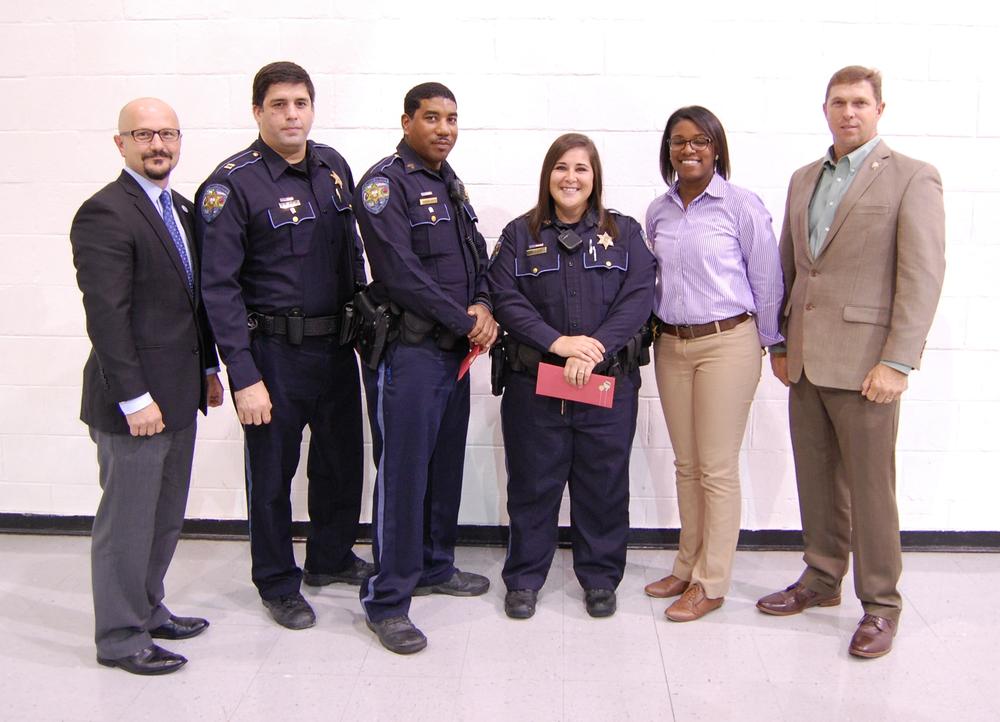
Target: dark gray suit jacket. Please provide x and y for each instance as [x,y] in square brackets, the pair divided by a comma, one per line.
[149,332]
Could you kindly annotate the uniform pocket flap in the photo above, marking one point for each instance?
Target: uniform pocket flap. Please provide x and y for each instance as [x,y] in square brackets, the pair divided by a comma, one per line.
[429,214]
[537,264]
[295,215]
[613,257]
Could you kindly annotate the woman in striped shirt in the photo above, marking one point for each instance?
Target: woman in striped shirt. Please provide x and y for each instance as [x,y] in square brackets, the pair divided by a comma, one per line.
[718,296]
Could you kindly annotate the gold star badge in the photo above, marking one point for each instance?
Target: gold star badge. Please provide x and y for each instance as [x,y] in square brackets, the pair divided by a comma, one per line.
[605,240]
[336,179]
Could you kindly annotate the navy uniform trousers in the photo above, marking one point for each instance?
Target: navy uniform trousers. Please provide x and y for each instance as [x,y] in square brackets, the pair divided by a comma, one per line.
[547,444]
[315,383]
[420,417]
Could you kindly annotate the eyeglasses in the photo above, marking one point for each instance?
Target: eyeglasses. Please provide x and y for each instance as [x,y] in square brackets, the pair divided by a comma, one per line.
[145,135]
[699,143]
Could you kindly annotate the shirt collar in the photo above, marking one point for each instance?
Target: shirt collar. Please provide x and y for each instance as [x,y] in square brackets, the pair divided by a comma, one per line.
[715,188]
[414,163]
[149,187]
[277,165]
[855,158]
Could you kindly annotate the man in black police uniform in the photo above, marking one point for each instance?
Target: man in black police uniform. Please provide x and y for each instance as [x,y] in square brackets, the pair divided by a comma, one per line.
[281,258]
[428,259]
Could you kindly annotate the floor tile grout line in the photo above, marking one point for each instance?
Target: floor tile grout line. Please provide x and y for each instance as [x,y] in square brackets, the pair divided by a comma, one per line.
[659,644]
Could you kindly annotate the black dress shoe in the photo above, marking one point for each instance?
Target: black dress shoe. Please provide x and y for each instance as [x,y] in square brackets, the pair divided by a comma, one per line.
[291,611]
[398,634]
[461,584]
[179,628]
[600,602]
[354,573]
[150,660]
[520,603]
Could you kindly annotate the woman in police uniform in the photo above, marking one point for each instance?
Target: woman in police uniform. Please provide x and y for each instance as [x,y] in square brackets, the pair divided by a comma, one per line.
[572,285]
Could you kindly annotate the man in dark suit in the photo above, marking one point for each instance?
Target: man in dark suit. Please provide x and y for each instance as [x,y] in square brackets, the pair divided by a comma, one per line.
[862,250]
[152,366]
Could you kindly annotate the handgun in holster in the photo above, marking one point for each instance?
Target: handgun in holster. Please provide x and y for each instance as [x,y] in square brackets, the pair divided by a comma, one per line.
[377,326]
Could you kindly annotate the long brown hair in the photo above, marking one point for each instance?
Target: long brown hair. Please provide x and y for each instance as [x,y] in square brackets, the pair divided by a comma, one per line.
[544,210]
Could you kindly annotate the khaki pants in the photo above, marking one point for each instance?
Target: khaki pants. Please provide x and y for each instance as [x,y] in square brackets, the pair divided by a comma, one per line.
[706,386]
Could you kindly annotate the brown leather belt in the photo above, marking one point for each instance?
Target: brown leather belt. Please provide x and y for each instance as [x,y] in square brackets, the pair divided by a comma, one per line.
[703,329]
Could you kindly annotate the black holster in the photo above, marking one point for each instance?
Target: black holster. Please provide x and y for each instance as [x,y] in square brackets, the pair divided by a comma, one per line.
[377,326]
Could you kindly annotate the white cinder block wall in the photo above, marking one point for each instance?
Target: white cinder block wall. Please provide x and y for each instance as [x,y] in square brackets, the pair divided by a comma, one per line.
[523,72]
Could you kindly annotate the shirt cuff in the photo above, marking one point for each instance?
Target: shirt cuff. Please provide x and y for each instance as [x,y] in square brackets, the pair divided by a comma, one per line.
[136,404]
[483,300]
[902,368]
[213,370]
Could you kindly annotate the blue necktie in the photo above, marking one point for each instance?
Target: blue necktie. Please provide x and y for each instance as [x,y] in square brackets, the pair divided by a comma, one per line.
[175,234]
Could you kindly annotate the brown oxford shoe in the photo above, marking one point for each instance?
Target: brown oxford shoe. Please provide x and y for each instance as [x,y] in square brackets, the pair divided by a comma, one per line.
[873,637]
[795,599]
[692,605]
[669,586]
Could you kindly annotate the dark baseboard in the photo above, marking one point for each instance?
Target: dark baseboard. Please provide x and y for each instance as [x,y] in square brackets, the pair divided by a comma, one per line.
[473,535]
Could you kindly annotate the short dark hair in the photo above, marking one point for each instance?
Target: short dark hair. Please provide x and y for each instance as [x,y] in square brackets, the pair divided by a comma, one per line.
[709,125]
[425,91]
[855,74]
[544,210]
[280,72]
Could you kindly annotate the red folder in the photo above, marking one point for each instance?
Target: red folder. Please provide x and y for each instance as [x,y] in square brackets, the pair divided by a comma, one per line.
[599,390]
[466,364]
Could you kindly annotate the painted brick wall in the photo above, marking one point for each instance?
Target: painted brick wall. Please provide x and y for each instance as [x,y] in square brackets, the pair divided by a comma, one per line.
[523,74]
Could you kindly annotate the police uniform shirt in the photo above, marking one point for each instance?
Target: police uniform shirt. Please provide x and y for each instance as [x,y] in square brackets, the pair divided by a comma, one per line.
[604,289]
[431,261]
[273,239]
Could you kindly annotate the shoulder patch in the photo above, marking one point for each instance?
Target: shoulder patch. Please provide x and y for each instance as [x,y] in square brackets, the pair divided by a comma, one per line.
[213,200]
[376,194]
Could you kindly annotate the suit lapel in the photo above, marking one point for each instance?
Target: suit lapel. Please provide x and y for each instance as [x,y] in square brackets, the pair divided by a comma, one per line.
[872,167]
[155,220]
[800,206]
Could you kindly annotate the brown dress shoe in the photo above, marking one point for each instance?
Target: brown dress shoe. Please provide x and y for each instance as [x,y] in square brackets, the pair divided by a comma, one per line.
[692,605]
[669,586]
[873,637]
[795,599]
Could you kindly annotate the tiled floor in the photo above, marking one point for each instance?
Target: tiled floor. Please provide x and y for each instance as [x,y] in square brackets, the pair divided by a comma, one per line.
[736,664]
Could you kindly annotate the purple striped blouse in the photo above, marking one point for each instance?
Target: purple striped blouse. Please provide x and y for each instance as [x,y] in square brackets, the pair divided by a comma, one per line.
[716,259]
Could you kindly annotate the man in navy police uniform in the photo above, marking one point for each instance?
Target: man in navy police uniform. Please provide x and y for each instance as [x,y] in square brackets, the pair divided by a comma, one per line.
[429,260]
[281,258]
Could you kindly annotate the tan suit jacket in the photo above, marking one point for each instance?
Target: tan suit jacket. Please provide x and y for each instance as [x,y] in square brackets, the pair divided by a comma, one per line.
[871,291]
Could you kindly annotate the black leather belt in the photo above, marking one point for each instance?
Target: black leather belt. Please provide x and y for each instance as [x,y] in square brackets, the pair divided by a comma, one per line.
[294,327]
[702,329]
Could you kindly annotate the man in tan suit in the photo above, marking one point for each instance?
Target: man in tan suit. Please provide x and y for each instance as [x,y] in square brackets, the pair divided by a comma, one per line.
[862,249]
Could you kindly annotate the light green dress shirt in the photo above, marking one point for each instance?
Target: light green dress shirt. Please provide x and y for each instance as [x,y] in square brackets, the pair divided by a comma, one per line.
[834,181]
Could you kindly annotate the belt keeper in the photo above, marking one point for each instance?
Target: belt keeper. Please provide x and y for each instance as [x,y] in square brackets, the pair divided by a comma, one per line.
[295,327]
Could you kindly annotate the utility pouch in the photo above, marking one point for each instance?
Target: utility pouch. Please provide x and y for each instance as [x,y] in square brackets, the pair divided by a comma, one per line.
[413,329]
[498,362]
[349,324]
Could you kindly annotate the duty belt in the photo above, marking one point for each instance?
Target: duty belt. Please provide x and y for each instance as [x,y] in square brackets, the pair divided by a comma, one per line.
[293,326]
